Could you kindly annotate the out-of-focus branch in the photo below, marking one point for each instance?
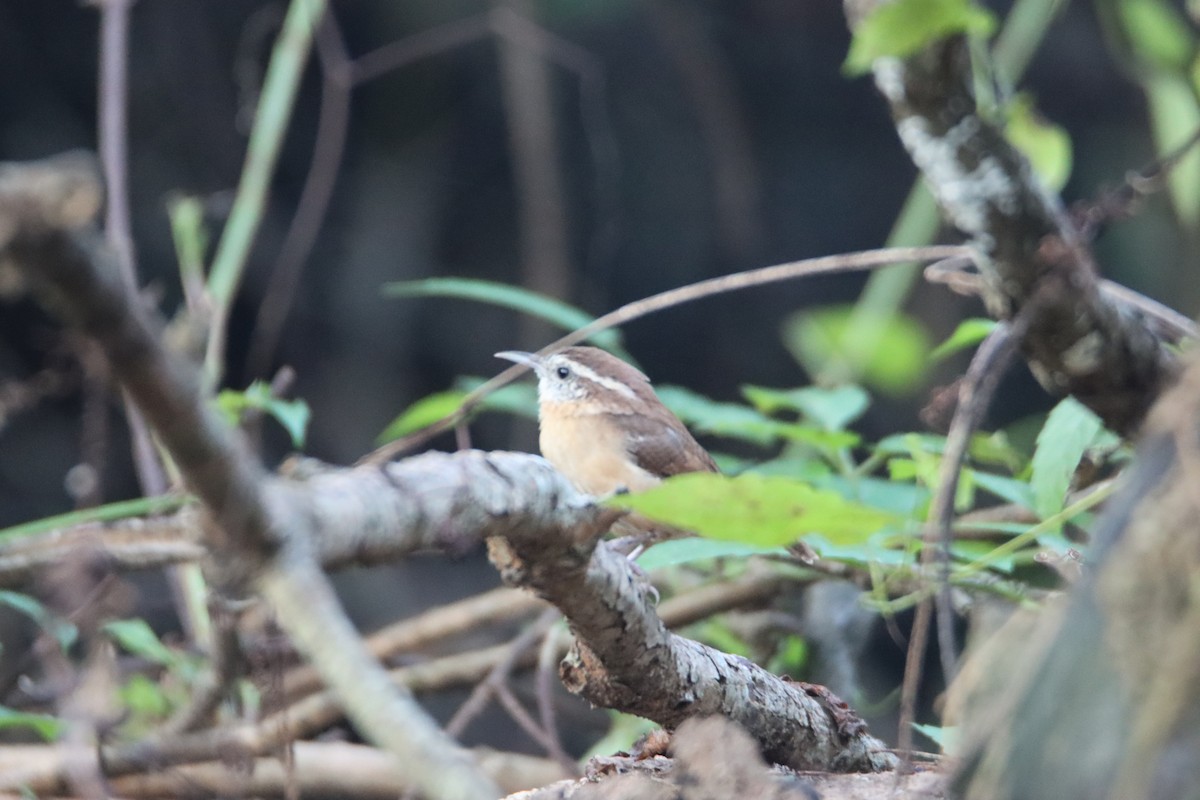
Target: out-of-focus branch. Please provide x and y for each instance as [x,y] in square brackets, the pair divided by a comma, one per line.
[280,86]
[1079,342]
[262,527]
[318,768]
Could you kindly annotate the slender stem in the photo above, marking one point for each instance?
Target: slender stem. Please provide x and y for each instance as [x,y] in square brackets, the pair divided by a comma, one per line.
[333,120]
[266,139]
[114,144]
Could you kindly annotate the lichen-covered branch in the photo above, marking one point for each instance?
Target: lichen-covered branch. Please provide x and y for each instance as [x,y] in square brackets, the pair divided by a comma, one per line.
[1079,341]
[625,658]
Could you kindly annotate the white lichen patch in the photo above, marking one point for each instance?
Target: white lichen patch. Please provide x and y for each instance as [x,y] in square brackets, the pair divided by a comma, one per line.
[1084,357]
[889,79]
[966,195]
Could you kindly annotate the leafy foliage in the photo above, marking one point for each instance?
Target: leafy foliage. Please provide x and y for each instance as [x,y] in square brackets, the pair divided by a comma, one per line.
[759,510]
[1046,145]
[904,27]
[835,345]
[293,415]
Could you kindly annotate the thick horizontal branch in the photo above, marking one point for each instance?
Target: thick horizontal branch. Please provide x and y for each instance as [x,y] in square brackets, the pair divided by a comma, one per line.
[318,768]
[1079,341]
[625,658]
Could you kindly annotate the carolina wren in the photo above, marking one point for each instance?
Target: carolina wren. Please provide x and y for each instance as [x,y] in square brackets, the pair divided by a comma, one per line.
[603,427]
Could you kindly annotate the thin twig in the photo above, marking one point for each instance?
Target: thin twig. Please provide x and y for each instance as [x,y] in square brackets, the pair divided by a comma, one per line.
[957,275]
[114,144]
[806,268]
[280,87]
[974,395]
[545,680]
[223,662]
[488,688]
[333,119]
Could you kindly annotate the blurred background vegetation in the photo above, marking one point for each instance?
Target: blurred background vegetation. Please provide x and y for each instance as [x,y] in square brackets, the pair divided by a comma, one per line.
[685,140]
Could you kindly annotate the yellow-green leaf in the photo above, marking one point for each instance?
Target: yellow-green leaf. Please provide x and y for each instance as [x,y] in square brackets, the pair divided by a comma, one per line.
[904,27]
[1046,145]
[763,510]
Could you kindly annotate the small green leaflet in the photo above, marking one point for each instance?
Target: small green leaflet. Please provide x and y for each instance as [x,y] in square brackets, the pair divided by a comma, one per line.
[768,511]
[831,408]
[423,413]
[136,637]
[1046,145]
[536,305]
[63,631]
[686,551]
[832,344]
[44,725]
[291,414]
[903,27]
[945,738]
[1158,33]
[141,507]
[969,333]
[514,398]
[1069,431]
[721,419]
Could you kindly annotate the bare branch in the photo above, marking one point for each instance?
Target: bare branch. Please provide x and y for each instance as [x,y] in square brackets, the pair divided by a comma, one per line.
[263,527]
[1079,342]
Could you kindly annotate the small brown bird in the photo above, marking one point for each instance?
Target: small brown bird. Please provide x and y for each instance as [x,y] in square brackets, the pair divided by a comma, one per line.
[602,425]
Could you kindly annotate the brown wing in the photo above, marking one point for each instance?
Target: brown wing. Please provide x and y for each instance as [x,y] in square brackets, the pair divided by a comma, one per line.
[663,446]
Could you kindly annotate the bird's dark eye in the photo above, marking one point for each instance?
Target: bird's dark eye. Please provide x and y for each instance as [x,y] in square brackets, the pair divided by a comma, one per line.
[563,373]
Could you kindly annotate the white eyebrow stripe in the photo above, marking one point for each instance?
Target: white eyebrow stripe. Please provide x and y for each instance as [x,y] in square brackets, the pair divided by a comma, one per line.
[607,383]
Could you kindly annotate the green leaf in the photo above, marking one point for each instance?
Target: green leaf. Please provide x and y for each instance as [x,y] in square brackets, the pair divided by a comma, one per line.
[144,697]
[516,398]
[897,497]
[756,509]
[674,552]
[625,729]
[791,657]
[136,637]
[730,420]
[827,441]
[904,27]
[946,738]
[1046,145]
[1157,33]
[45,726]
[836,346]
[969,333]
[293,415]
[970,551]
[1008,489]
[831,408]
[555,312]
[62,631]
[423,413]
[1070,430]
[903,444]
[715,632]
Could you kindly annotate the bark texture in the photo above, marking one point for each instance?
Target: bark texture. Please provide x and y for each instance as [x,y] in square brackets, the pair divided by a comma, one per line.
[1079,341]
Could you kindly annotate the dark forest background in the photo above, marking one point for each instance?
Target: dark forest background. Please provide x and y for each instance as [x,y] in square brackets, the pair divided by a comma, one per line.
[729,138]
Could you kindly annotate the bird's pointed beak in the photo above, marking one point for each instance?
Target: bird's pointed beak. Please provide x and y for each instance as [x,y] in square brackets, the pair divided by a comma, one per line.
[521,357]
